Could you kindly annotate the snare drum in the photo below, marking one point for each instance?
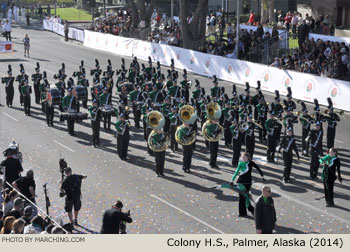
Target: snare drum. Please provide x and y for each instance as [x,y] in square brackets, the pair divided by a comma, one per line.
[54,96]
[80,93]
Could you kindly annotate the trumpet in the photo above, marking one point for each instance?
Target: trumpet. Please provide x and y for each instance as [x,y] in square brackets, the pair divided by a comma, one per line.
[340,112]
[297,113]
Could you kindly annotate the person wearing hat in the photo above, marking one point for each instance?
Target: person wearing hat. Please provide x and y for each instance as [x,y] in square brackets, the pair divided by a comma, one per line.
[288,144]
[112,219]
[278,110]
[154,93]
[9,89]
[215,91]
[332,118]
[83,82]
[136,98]
[165,110]
[236,140]
[186,85]
[174,91]
[71,186]
[28,214]
[249,133]
[246,96]
[262,116]
[169,82]
[244,182]
[174,123]
[271,137]
[331,166]
[123,137]
[69,103]
[26,90]
[20,79]
[26,186]
[305,119]
[290,103]
[159,156]
[105,100]
[36,78]
[314,140]
[12,164]
[61,86]
[226,121]
[96,72]
[289,119]
[49,108]
[95,114]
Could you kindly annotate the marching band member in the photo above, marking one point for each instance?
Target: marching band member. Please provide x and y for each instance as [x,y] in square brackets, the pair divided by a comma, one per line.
[262,116]
[36,78]
[135,98]
[84,83]
[26,90]
[271,136]
[95,114]
[49,108]
[288,143]
[9,89]
[20,79]
[215,91]
[244,182]
[249,133]
[174,122]
[332,119]
[105,100]
[305,120]
[314,138]
[331,166]
[69,104]
[236,140]
[123,137]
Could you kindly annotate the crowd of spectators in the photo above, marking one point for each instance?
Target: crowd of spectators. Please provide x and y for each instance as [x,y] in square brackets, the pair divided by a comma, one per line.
[113,23]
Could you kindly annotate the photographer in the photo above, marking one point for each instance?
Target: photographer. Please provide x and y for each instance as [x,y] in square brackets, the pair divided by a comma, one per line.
[113,220]
[71,188]
[11,166]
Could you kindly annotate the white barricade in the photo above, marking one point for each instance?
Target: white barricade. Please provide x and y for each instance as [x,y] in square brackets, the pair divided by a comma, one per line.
[305,87]
[73,33]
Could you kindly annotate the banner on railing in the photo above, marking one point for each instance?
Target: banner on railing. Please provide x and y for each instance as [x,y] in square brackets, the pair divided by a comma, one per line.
[325,38]
[6,47]
[73,33]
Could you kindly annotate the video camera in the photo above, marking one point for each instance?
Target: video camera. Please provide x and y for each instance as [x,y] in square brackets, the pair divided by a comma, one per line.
[122,225]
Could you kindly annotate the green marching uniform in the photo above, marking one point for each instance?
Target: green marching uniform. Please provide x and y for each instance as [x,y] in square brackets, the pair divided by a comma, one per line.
[105,100]
[134,97]
[42,90]
[123,137]
[271,139]
[36,78]
[212,131]
[159,156]
[174,122]
[95,114]
[187,150]
[331,166]
[215,92]
[25,92]
[69,103]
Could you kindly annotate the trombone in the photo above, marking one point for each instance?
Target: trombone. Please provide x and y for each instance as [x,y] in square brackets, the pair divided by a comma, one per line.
[340,112]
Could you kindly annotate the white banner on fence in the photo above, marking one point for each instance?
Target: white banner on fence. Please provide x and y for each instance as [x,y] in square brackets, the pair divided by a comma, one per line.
[330,38]
[73,33]
[47,25]
[76,34]
[6,47]
[305,87]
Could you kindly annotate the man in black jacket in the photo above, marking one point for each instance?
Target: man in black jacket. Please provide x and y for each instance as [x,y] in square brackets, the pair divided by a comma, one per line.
[113,218]
[265,213]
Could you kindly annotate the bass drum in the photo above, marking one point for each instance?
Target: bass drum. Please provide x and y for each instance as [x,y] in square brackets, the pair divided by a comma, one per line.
[80,93]
[54,96]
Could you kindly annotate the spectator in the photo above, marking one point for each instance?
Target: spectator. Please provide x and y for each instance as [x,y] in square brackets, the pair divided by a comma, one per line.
[26,185]
[28,18]
[295,20]
[251,18]
[1,219]
[265,213]
[288,20]
[7,28]
[36,226]
[66,30]
[17,210]
[260,31]
[212,24]
[26,43]
[48,229]
[28,214]
[325,29]
[8,223]
[72,187]
[1,197]
[112,219]
[8,201]
[18,226]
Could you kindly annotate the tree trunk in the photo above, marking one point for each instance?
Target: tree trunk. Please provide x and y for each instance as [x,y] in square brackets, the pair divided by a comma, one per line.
[264,8]
[193,34]
[271,11]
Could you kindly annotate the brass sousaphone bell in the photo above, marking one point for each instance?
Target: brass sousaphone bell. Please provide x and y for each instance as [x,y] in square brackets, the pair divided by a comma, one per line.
[156,121]
[213,110]
[187,115]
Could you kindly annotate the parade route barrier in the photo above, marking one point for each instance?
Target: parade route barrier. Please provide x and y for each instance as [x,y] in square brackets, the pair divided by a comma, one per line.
[73,33]
[304,86]
[6,47]
[325,38]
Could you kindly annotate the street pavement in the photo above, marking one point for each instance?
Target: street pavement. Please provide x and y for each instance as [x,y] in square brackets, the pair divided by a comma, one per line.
[178,203]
